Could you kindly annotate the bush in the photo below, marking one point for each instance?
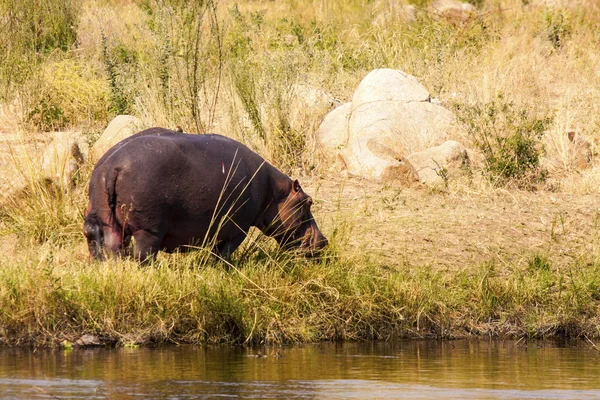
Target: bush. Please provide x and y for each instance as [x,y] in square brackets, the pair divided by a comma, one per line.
[558,28]
[510,140]
[69,93]
[31,30]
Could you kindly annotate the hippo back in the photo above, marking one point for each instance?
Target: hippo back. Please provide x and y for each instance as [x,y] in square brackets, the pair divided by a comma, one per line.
[182,188]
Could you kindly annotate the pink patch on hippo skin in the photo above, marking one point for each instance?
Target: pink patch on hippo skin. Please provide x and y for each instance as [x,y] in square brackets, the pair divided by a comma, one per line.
[112,240]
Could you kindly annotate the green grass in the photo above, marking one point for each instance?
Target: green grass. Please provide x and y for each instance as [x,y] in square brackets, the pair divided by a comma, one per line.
[49,297]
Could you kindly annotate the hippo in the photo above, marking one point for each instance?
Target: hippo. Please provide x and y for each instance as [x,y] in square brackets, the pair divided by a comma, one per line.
[170,191]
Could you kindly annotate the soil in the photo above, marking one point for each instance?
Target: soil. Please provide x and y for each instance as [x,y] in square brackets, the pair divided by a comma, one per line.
[459,227]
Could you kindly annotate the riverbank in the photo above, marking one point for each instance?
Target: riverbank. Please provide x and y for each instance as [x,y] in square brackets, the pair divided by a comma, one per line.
[476,256]
[410,263]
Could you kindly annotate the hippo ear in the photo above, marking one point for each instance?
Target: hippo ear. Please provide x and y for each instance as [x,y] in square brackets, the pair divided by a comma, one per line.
[296,186]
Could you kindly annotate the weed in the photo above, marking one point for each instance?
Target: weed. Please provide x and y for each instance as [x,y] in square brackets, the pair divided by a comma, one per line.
[120,103]
[558,27]
[539,262]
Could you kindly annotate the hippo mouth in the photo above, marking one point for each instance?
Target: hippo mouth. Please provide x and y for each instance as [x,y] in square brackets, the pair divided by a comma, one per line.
[310,245]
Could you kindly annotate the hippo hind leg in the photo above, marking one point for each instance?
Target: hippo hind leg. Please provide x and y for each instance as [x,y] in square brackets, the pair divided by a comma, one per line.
[146,246]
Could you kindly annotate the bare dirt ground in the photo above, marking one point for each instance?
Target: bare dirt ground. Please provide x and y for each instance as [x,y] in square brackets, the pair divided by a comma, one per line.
[460,227]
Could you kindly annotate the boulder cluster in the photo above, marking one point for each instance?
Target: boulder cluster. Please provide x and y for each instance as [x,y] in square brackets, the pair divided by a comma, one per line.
[392,131]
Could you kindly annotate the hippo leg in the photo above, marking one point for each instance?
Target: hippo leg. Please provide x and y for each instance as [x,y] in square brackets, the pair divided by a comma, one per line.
[226,248]
[146,245]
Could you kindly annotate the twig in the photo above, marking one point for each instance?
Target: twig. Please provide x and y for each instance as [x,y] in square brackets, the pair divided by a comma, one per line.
[592,343]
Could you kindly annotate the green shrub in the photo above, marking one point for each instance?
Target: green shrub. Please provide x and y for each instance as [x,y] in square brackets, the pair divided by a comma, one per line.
[69,92]
[509,138]
[120,100]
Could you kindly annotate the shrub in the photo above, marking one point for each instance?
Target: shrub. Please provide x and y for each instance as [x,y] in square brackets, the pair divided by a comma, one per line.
[31,30]
[69,93]
[558,28]
[509,138]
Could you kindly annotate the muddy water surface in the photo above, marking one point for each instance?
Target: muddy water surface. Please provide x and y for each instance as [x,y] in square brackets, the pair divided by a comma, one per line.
[412,370]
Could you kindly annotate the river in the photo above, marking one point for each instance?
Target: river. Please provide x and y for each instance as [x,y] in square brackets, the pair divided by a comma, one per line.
[373,370]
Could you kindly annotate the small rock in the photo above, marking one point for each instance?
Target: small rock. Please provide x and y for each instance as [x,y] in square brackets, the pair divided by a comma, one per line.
[290,40]
[63,158]
[88,341]
[580,151]
[431,164]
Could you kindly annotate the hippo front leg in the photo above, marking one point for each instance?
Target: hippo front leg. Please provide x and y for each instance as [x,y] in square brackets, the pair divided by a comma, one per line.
[226,248]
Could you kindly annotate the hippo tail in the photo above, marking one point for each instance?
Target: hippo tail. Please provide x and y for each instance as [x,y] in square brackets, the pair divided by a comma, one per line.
[111,193]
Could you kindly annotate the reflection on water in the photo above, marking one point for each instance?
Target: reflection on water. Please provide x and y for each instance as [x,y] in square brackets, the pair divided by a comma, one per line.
[414,370]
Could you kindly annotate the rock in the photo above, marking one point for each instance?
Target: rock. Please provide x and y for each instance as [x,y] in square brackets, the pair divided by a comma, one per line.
[392,11]
[291,40]
[580,151]
[333,131]
[556,3]
[404,127]
[434,164]
[88,341]
[390,117]
[452,10]
[388,85]
[374,161]
[121,127]
[63,158]
[566,152]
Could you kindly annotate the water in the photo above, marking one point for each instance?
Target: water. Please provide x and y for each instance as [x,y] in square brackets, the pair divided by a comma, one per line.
[408,370]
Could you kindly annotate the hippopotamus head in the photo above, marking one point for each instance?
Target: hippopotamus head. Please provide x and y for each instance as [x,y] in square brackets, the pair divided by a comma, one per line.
[291,222]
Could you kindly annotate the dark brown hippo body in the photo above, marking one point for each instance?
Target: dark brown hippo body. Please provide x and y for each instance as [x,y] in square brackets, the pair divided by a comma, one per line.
[169,190]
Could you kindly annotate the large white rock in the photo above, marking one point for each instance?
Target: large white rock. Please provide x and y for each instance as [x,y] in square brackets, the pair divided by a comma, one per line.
[63,158]
[333,131]
[390,116]
[452,10]
[121,127]
[388,85]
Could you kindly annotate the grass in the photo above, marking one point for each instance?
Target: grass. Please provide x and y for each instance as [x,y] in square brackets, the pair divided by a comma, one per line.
[50,291]
[479,257]
[53,295]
